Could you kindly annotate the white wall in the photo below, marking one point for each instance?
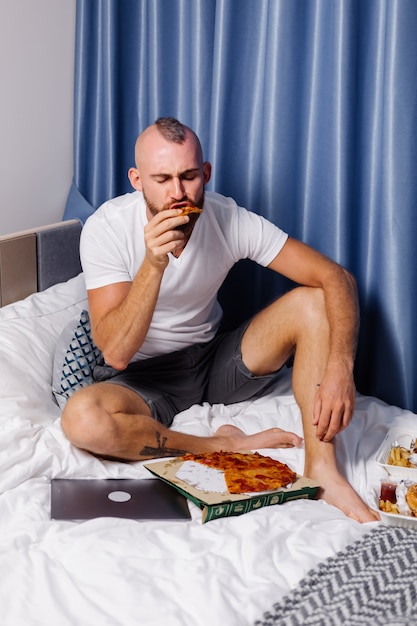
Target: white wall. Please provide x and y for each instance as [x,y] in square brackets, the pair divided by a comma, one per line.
[36,111]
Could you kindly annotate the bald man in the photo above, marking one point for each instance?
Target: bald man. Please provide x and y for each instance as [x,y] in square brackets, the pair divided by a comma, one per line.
[152,276]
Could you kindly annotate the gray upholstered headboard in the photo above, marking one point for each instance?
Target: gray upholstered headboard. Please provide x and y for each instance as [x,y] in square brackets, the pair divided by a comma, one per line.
[36,259]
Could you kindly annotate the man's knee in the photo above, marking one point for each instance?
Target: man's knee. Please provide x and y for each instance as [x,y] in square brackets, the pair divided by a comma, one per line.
[78,419]
[90,417]
[309,309]
[310,302]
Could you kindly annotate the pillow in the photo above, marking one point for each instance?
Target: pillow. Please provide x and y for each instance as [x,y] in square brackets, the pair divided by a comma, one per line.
[29,332]
[75,357]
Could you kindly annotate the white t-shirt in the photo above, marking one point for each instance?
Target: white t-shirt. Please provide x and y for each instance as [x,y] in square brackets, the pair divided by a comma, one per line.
[187,310]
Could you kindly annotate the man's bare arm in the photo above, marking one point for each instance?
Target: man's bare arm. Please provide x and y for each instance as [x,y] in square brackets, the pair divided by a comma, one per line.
[336,391]
[122,312]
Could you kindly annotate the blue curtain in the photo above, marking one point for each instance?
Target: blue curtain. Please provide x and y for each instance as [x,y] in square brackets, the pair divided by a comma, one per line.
[307,110]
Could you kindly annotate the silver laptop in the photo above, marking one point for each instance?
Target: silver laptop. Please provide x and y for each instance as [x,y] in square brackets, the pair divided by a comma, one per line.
[149,499]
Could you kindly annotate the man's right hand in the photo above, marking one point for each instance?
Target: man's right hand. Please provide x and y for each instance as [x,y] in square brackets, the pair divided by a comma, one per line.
[161,236]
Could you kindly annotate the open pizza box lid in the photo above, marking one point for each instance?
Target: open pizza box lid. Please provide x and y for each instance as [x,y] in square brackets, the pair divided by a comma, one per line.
[215,504]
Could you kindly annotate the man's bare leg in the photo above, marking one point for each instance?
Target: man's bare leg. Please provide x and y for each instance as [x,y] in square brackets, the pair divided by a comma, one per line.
[299,318]
[114,422]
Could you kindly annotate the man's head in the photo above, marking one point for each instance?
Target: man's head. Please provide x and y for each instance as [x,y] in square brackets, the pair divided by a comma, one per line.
[169,166]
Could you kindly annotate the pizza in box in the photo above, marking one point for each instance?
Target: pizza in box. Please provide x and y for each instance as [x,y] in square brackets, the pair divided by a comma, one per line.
[245,472]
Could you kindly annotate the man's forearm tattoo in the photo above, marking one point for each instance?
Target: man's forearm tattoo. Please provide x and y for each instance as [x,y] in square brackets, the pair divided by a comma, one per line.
[160,450]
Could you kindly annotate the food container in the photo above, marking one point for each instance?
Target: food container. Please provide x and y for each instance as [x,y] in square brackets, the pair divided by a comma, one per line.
[394,519]
[402,437]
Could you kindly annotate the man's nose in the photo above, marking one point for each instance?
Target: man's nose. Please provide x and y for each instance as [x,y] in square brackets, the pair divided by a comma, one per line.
[177,191]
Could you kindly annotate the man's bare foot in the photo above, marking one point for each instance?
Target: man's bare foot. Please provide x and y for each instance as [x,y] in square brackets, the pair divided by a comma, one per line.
[236,440]
[335,490]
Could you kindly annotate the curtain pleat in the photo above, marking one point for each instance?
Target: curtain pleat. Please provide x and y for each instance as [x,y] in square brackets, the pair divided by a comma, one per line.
[307,110]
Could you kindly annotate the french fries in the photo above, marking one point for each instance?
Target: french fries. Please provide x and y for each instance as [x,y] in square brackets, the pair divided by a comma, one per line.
[388,507]
[399,456]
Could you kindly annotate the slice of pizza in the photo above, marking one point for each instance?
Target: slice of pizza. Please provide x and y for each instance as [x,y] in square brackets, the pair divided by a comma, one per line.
[255,480]
[246,472]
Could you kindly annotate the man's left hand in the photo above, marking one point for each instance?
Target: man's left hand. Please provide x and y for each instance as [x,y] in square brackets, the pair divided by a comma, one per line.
[334,404]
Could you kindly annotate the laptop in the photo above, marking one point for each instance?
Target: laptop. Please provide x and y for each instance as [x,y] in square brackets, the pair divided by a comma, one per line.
[148,499]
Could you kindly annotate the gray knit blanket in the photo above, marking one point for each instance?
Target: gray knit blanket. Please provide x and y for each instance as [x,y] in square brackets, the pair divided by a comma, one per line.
[373,582]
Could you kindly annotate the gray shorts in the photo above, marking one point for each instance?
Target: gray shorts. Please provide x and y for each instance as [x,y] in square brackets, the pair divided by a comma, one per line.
[211,372]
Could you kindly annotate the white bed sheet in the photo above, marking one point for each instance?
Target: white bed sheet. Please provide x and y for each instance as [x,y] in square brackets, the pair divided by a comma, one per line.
[121,572]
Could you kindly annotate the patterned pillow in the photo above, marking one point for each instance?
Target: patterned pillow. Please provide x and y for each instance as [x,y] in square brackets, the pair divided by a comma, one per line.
[75,357]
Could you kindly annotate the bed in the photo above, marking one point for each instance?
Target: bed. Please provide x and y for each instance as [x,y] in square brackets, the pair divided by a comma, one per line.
[276,565]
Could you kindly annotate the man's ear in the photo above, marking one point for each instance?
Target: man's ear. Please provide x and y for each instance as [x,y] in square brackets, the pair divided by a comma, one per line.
[206,172]
[134,178]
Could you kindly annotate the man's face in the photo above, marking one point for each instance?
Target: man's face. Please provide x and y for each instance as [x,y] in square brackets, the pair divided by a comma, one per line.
[169,173]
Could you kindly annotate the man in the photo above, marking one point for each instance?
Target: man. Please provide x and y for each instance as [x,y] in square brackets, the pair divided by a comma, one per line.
[152,276]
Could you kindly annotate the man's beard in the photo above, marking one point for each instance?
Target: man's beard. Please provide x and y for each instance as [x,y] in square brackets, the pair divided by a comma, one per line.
[154,210]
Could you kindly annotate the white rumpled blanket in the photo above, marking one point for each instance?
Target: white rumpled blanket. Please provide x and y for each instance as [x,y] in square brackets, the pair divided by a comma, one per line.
[119,572]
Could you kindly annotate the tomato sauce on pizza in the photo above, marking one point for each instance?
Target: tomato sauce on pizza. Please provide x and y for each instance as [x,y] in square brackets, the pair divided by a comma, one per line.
[246,472]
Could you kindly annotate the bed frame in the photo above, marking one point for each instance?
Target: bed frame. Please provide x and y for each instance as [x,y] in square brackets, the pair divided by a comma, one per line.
[33,260]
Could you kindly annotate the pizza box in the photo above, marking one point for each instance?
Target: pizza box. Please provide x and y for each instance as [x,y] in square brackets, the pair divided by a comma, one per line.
[215,504]
[401,437]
